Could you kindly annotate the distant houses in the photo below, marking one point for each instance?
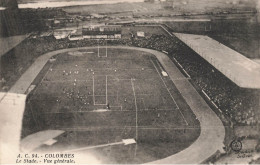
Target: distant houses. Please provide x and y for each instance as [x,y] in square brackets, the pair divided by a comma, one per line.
[96,32]
[89,32]
[76,35]
[61,34]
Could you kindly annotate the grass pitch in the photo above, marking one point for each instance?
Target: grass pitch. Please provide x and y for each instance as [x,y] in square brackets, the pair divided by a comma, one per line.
[102,96]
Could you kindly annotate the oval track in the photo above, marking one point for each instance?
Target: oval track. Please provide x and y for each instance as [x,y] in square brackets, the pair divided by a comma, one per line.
[212,130]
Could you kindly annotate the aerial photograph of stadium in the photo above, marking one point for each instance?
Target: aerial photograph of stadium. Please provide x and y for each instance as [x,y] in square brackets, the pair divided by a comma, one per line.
[129,82]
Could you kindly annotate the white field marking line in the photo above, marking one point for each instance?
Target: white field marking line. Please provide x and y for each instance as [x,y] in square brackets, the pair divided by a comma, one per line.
[143,103]
[104,75]
[170,93]
[156,109]
[46,73]
[103,60]
[129,127]
[110,95]
[106,91]
[102,56]
[164,84]
[159,66]
[44,76]
[99,52]
[88,52]
[98,48]
[101,104]
[111,75]
[93,90]
[110,110]
[136,126]
[98,95]
[117,106]
[53,81]
[121,79]
[119,69]
[148,80]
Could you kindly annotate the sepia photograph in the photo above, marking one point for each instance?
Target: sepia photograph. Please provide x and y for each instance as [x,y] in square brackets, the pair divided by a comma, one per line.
[129,82]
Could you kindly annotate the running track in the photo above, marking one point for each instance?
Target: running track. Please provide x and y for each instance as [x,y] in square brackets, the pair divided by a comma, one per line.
[212,130]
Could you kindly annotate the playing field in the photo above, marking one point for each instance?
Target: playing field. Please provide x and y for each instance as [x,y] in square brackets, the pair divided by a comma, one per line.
[101,96]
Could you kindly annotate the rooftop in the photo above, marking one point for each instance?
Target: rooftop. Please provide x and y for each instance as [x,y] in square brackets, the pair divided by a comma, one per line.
[8,43]
[239,69]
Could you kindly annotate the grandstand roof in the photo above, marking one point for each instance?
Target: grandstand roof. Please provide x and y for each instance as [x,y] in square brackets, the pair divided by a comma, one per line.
[11,108]
[239,69]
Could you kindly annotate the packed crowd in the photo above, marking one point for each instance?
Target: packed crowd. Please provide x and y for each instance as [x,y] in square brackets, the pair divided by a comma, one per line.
[237,103]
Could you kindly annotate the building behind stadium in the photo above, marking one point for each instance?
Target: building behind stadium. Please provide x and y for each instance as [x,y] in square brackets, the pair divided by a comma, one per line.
[97,32]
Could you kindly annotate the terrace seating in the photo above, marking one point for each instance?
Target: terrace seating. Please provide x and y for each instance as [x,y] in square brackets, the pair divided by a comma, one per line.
[236,103]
